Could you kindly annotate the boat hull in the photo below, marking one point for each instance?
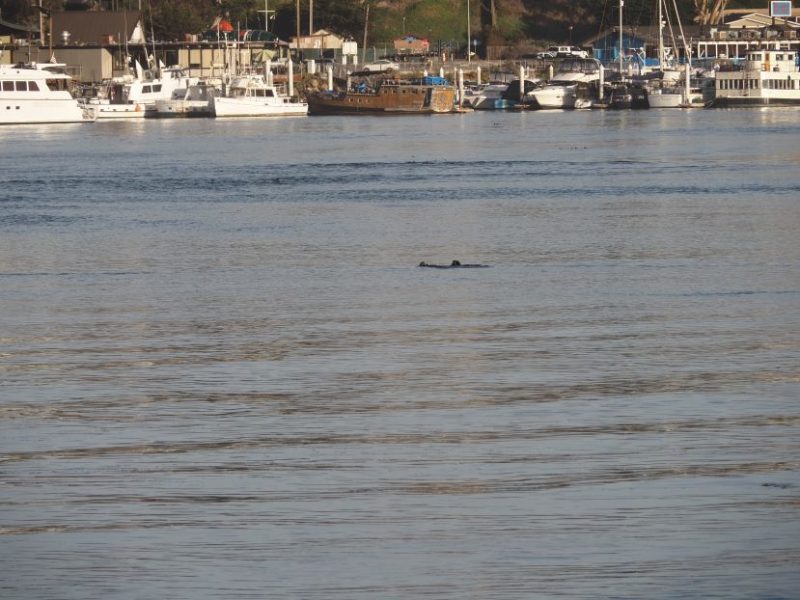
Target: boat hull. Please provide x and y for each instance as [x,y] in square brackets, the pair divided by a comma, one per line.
[493,104]
[665,100]
[120,111]
[17,111]
[237,107]
[755,101]
[182,109]
[556,97]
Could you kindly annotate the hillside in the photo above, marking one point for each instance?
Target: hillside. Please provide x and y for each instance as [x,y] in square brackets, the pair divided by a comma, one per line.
[438,20]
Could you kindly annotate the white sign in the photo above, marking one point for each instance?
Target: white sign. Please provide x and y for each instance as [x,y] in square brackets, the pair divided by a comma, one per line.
[349,48]
[780,8]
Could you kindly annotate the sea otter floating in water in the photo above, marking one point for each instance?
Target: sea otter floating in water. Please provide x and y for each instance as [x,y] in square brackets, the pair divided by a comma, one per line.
[456,264]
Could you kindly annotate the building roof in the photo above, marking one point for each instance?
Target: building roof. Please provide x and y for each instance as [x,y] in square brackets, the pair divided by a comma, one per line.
[739,12]
[758,20]
[96,27]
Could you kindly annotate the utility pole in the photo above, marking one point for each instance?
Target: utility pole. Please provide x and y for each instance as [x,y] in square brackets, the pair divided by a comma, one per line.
[469,37]
[297,18]
[41,24]
[266,12]
[310,17]
[366,24]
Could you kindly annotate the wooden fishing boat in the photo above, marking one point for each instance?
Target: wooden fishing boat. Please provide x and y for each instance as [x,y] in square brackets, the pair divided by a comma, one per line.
[427,95]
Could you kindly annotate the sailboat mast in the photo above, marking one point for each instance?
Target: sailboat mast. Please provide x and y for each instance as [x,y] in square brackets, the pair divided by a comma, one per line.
[621,4]
[366,25]
[687,50]
[156,68]
[660,36]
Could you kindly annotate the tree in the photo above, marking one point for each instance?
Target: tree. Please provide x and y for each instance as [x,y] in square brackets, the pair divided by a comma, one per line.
[344,17]
[242,11]
[709,11]
[18,11]
[171,19]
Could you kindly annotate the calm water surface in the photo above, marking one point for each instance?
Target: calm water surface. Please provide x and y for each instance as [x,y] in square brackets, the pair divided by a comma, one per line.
[222,374]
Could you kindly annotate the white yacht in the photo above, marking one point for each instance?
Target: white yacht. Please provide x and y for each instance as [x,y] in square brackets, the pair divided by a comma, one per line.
[251,96]
[194,101]
[769,76]
[571,85]
[39,93]
[135,98]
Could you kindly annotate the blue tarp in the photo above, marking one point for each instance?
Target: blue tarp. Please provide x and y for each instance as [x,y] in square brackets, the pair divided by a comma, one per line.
[433,80]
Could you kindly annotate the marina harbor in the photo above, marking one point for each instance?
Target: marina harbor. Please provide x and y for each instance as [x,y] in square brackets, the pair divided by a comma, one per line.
[43,92]
[399,300]
[234,76]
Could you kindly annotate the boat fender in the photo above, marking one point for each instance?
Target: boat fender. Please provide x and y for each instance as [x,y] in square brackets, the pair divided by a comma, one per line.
[138,108]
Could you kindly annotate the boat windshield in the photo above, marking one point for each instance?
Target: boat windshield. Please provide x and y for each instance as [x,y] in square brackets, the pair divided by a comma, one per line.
[59,85]
[578,65]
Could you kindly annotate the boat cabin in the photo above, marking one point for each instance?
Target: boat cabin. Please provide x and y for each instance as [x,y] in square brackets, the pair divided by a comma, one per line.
[778,61]
[253,92]
[34,78]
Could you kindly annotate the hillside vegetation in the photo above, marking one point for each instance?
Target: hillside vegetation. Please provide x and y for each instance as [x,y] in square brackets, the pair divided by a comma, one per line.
[442,20]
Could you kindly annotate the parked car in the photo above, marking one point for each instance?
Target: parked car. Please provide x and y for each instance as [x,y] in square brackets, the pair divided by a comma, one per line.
[568,52]
[545,55]
[379,66]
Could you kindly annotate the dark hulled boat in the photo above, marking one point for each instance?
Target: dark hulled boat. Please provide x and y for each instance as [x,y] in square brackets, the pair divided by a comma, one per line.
[428,95]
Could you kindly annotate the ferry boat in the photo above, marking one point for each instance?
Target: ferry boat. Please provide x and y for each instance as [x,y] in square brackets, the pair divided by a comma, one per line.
[428,95]
[769,76]
[39,93]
